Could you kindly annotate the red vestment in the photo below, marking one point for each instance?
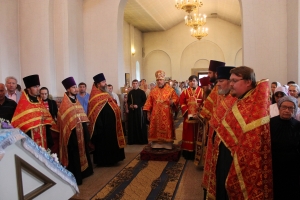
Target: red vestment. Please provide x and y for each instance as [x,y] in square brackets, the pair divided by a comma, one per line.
[71,115]
[161,127]
[97,101]
[245,131]
[214,109]
[32,117]
[190,101]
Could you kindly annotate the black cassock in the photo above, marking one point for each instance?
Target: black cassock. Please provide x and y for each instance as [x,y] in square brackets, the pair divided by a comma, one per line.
[107,151]
[137,129]
[73,154]
[285,141]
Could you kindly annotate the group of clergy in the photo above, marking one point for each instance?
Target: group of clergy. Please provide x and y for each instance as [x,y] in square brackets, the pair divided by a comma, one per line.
[77,133]
[230,128]
[248,155]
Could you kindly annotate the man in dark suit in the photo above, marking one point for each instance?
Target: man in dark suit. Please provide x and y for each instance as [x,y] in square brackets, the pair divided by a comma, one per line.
[7,106]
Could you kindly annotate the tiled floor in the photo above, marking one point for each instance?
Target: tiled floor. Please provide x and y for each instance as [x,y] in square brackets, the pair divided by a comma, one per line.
[188,189]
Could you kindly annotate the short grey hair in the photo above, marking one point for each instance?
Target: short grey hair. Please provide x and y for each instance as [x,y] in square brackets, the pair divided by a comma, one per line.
[296,86]
[11,77]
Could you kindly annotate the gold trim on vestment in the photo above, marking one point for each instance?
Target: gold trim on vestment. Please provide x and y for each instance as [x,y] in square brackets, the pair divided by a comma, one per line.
[96,105]
[70,109]
[32,120]
[205,111]
[248,127]
[239,176]
[27,112]
[66,126]
[228,128]
[187,142]
[104,93]
[209,99]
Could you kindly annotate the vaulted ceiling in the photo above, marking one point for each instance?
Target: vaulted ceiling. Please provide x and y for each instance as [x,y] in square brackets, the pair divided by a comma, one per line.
[161,15]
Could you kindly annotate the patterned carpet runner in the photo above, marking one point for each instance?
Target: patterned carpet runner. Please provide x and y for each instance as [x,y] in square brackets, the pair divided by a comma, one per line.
[142,179]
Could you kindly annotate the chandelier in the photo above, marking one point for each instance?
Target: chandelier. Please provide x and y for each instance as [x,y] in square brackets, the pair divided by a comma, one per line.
[195,20]
[188,5]
[199,33]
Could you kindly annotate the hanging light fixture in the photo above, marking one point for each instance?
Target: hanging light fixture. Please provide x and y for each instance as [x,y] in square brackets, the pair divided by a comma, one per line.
[199,33]
[188,5]
[195,19]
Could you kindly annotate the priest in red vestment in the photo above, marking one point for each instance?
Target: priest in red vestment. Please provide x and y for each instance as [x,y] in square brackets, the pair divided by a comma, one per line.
[31,116]
[212,70]
[74,135]
[205,84]
[160,104]
[243,164]
[214,109]
[190,102]
[105,126]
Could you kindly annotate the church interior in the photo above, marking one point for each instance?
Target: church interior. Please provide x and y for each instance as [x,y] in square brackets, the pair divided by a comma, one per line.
[132,39]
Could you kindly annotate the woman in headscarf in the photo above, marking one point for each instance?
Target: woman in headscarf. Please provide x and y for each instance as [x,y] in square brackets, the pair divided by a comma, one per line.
[279,92]
[274,85]
[285,141]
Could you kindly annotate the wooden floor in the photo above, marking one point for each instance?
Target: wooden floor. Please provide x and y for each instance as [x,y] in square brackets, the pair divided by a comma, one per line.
[189,186]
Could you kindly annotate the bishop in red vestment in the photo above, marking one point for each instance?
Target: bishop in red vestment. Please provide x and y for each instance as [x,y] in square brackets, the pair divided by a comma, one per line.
[160,104]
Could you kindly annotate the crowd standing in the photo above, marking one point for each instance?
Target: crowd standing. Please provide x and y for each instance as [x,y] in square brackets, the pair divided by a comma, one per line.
[244,133]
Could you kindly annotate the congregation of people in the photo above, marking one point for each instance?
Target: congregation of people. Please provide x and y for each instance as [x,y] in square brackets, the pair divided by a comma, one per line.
[243,133]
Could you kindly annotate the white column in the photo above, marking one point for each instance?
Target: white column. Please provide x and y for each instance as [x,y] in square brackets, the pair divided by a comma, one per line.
[103,40]
[36,39]
[264,38]
[68,42]
[293,51]
[9,40]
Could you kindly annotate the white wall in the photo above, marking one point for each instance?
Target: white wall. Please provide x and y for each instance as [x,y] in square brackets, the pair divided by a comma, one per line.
[42,37]
[132,37]
[265,38]
[35,30]
[223,43]
[9,40]
[126,49]
[68,51]
[293,52]
[81,38]
[103,40]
